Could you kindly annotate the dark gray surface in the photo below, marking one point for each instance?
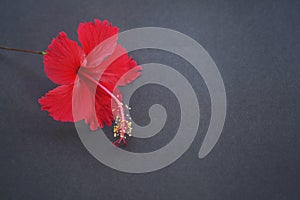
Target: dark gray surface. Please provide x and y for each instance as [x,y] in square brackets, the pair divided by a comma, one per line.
[256,47]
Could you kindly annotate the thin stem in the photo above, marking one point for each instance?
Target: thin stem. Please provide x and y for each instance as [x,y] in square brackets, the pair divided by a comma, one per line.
[22,50]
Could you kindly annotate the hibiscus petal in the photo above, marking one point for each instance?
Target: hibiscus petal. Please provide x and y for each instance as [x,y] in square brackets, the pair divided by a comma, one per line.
[82,100]
[91,119]
[58,102]
[91,34]
[62,60]
[100,52]
[104,107]
[118,69]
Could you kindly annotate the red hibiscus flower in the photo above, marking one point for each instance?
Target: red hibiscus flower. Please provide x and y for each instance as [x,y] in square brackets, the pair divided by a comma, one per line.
[88,77]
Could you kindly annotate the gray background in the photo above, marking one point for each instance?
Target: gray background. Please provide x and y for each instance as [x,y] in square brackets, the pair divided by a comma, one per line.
[255,44]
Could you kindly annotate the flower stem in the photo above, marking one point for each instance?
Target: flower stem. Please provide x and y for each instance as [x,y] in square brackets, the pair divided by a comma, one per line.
[23,50]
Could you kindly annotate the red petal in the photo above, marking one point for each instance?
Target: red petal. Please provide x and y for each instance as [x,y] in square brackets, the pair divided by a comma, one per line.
[82,100]
[104,106]
[58,102]
[100,52]
[62,60]
[90,34]
[118,69]
[124,69]
[91,119]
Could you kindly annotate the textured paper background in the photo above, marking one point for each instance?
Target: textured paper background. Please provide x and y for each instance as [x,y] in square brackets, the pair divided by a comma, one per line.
[255,44]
